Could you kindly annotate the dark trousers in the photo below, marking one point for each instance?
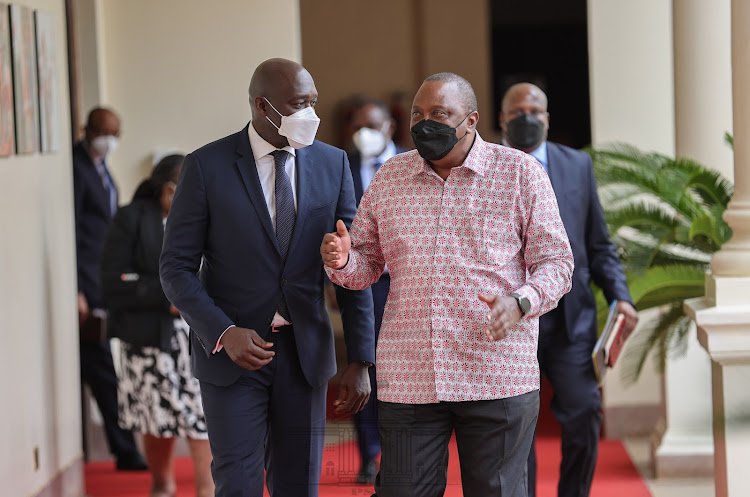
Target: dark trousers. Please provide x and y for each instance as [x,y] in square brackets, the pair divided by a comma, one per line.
[576,404]
[493,439]
[268,419]
[98,372]
[366,421]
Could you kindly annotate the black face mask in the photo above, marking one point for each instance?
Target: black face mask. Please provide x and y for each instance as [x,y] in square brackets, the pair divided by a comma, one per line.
[525,131]
[435,140]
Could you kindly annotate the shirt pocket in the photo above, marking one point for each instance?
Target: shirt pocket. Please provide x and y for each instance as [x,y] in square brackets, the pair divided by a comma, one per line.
[495,236]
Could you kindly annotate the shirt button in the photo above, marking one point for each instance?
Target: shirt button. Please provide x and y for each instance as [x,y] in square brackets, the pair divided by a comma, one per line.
[283,282]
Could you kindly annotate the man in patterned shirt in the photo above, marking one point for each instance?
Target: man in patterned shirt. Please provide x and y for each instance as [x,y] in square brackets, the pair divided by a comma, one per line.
[472,236]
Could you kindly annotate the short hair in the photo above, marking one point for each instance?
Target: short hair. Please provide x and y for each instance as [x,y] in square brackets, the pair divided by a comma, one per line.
[466,91]
[358,102]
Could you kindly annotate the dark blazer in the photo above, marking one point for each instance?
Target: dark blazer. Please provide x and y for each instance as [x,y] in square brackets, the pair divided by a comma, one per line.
[355,163]
[131,290]
[219,216]
[92,216]
[572,176]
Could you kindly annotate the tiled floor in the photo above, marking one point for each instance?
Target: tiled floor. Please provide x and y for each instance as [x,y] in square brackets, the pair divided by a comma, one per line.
[638,448]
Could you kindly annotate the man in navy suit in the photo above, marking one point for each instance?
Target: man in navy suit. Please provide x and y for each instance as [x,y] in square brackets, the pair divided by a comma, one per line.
[568,333]
[241,262]
[95,201]
[373,128]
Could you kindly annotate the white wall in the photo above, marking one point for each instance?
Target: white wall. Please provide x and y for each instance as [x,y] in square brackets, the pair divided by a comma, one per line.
[178,71]
[39,356]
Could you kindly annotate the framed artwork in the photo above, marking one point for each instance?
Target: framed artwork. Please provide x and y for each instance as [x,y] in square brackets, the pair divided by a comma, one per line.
[46,51]
[7,133]
[24,79]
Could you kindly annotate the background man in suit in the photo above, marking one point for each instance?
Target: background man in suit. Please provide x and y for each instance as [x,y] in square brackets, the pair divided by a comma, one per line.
[373,128]
[241,263]
[568,333]
[95,200]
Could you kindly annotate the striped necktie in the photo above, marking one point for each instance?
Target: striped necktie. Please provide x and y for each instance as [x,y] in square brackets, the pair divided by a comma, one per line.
[285,213]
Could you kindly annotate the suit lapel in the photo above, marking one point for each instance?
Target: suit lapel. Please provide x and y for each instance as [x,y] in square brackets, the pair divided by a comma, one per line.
[355,165]
[249,173]
[305,168]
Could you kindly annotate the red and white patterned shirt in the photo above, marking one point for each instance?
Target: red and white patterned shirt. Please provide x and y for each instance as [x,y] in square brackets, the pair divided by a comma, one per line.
[492,227]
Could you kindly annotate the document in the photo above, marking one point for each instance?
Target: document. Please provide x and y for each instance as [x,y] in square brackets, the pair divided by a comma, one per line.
[608,347]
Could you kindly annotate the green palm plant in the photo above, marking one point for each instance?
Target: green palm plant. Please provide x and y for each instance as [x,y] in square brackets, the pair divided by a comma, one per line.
[665,217]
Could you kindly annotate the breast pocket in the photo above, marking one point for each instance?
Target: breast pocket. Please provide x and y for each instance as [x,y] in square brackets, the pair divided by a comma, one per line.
[494,236]
[321,210]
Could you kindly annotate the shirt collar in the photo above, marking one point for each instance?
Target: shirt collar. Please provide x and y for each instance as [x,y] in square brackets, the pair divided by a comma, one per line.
[474,161]
[540,154]
[261,147]
[388,152]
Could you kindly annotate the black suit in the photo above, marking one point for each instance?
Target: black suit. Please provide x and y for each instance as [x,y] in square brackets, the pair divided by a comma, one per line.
[220,265]
[138,309]
[93,212]
[366,421]
[567,334]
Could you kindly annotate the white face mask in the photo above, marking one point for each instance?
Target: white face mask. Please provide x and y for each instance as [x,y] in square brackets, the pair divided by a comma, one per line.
[370,142]
[104,145]
[299,128]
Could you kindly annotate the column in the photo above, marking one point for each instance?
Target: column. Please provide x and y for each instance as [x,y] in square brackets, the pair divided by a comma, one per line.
[723,315]
[703,113]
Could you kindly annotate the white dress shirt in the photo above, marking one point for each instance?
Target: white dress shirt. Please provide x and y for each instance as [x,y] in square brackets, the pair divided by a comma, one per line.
[266,165]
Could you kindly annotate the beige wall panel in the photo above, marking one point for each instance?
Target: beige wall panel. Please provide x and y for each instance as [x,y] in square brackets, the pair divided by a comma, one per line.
[39,356]
[177,71]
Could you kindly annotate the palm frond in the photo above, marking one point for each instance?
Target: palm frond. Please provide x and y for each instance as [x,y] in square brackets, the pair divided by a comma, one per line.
[657,337]
[711,187]
[664,284]
[643,217]
[665,217]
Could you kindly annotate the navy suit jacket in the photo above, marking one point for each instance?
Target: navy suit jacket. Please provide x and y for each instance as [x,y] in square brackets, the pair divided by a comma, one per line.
[572,176]
[92,217]
[221,265]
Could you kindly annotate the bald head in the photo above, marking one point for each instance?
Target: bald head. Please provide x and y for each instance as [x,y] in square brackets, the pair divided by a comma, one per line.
[524,118]
[271,73]
[102,122]
[279,87]
[522,91]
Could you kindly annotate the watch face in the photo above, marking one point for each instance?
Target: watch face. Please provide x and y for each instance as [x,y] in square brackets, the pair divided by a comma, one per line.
[525,304]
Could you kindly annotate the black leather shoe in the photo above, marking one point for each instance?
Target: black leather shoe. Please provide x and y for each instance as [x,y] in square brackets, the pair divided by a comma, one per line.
[131,462]
[367,472]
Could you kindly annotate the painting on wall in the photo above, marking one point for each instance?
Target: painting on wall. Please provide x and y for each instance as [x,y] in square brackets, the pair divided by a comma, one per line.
[7,134]
[46,51]
[24,79]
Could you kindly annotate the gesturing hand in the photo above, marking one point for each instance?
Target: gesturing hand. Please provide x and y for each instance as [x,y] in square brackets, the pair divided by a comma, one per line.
[246,348]
[503,316]
[335,247]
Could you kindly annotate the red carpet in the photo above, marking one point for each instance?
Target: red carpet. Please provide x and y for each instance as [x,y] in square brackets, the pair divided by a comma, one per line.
[615,474]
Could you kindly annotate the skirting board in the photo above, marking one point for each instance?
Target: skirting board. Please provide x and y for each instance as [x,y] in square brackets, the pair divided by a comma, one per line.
[631,420]
[67,483]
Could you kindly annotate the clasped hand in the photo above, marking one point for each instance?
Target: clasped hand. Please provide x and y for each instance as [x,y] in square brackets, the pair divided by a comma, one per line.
[504,315]
[246,348]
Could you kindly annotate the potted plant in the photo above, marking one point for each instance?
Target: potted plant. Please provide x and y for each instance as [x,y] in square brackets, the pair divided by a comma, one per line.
[665,217]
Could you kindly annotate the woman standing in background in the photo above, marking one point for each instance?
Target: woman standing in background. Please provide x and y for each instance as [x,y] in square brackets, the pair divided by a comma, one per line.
[157,393]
